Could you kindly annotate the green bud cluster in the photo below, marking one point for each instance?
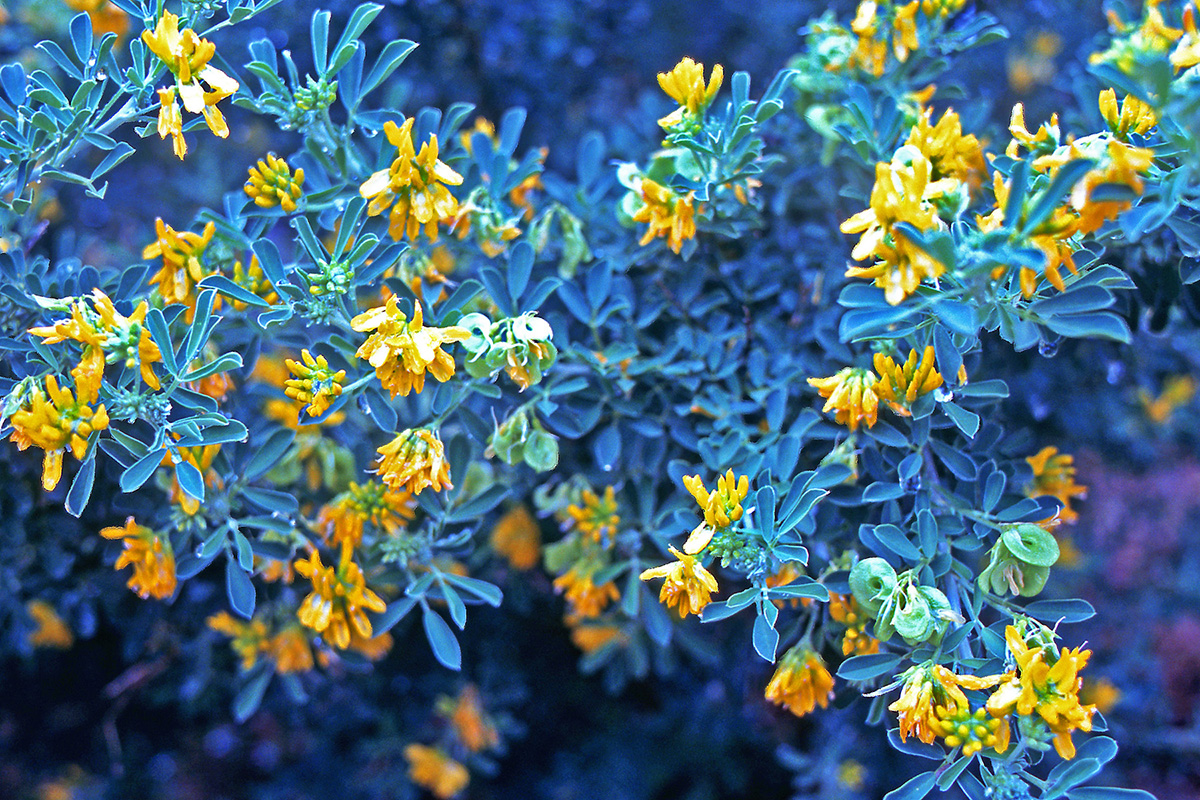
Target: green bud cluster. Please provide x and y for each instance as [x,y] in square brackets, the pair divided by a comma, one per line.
[734,548]
[1020,560]
[898,603]
[318,95]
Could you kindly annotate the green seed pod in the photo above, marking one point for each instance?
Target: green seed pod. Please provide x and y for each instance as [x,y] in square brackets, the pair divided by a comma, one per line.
[1035,578]
[872,582]
[912,618]
[477,366]
[1031,544]
[541,451]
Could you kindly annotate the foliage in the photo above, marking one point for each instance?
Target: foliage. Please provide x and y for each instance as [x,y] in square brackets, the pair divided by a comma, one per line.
[404,333]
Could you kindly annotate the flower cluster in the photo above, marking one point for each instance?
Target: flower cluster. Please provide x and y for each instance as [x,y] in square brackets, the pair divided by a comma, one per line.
[1046,683]
[413,187]
[201,85]
[1054,475]
[288,647]
[517,538]
[272,184]
[685,85]
[401,350]
[151,557]
[687,585]
[413,461]
[182,267]
[54,420]
[387,510]
[670,215]
[904,192]
[339,599]
[801,682]
[314,384]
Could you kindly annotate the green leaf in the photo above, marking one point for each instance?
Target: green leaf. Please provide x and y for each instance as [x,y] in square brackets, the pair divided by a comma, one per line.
[395,612]
[268,455]
[482,590]
[1102,325]
[895,540]
[869,667]
[239,587]
[250,695]
[81,488]
[359,20]
[441,639]
[1064,179]
[393,56]
[233,291]
[133,478]
[1066,610]
[765,638]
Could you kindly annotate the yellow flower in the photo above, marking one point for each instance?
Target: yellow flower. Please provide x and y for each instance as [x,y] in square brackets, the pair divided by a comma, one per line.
[722,506]
[373,648]
[1054,475]
[1187,52]
[106,336]
[182,269]
[688,584]
[1101,693]
[952,154]
[413,187]
[106,17]
[900,386]
[801,682]
[471,723]
[1047,683]
[338,598]
[904,27]
[1178,391]
[586,600]
[669,215]
[851,394]
[843,608]
[1124,164]
[590,638]
[314,383]
[170,121]
[787,573]
[248,637]
[518,538]
[151,557]
[596,519]
[685,85]
[54,420]
[903,192]
[290,650]
[272,184]
[1135,116]
[414,460]
[51,630]
[432,769]
[401,350]
[344,517]
[915,706]
[187,56]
